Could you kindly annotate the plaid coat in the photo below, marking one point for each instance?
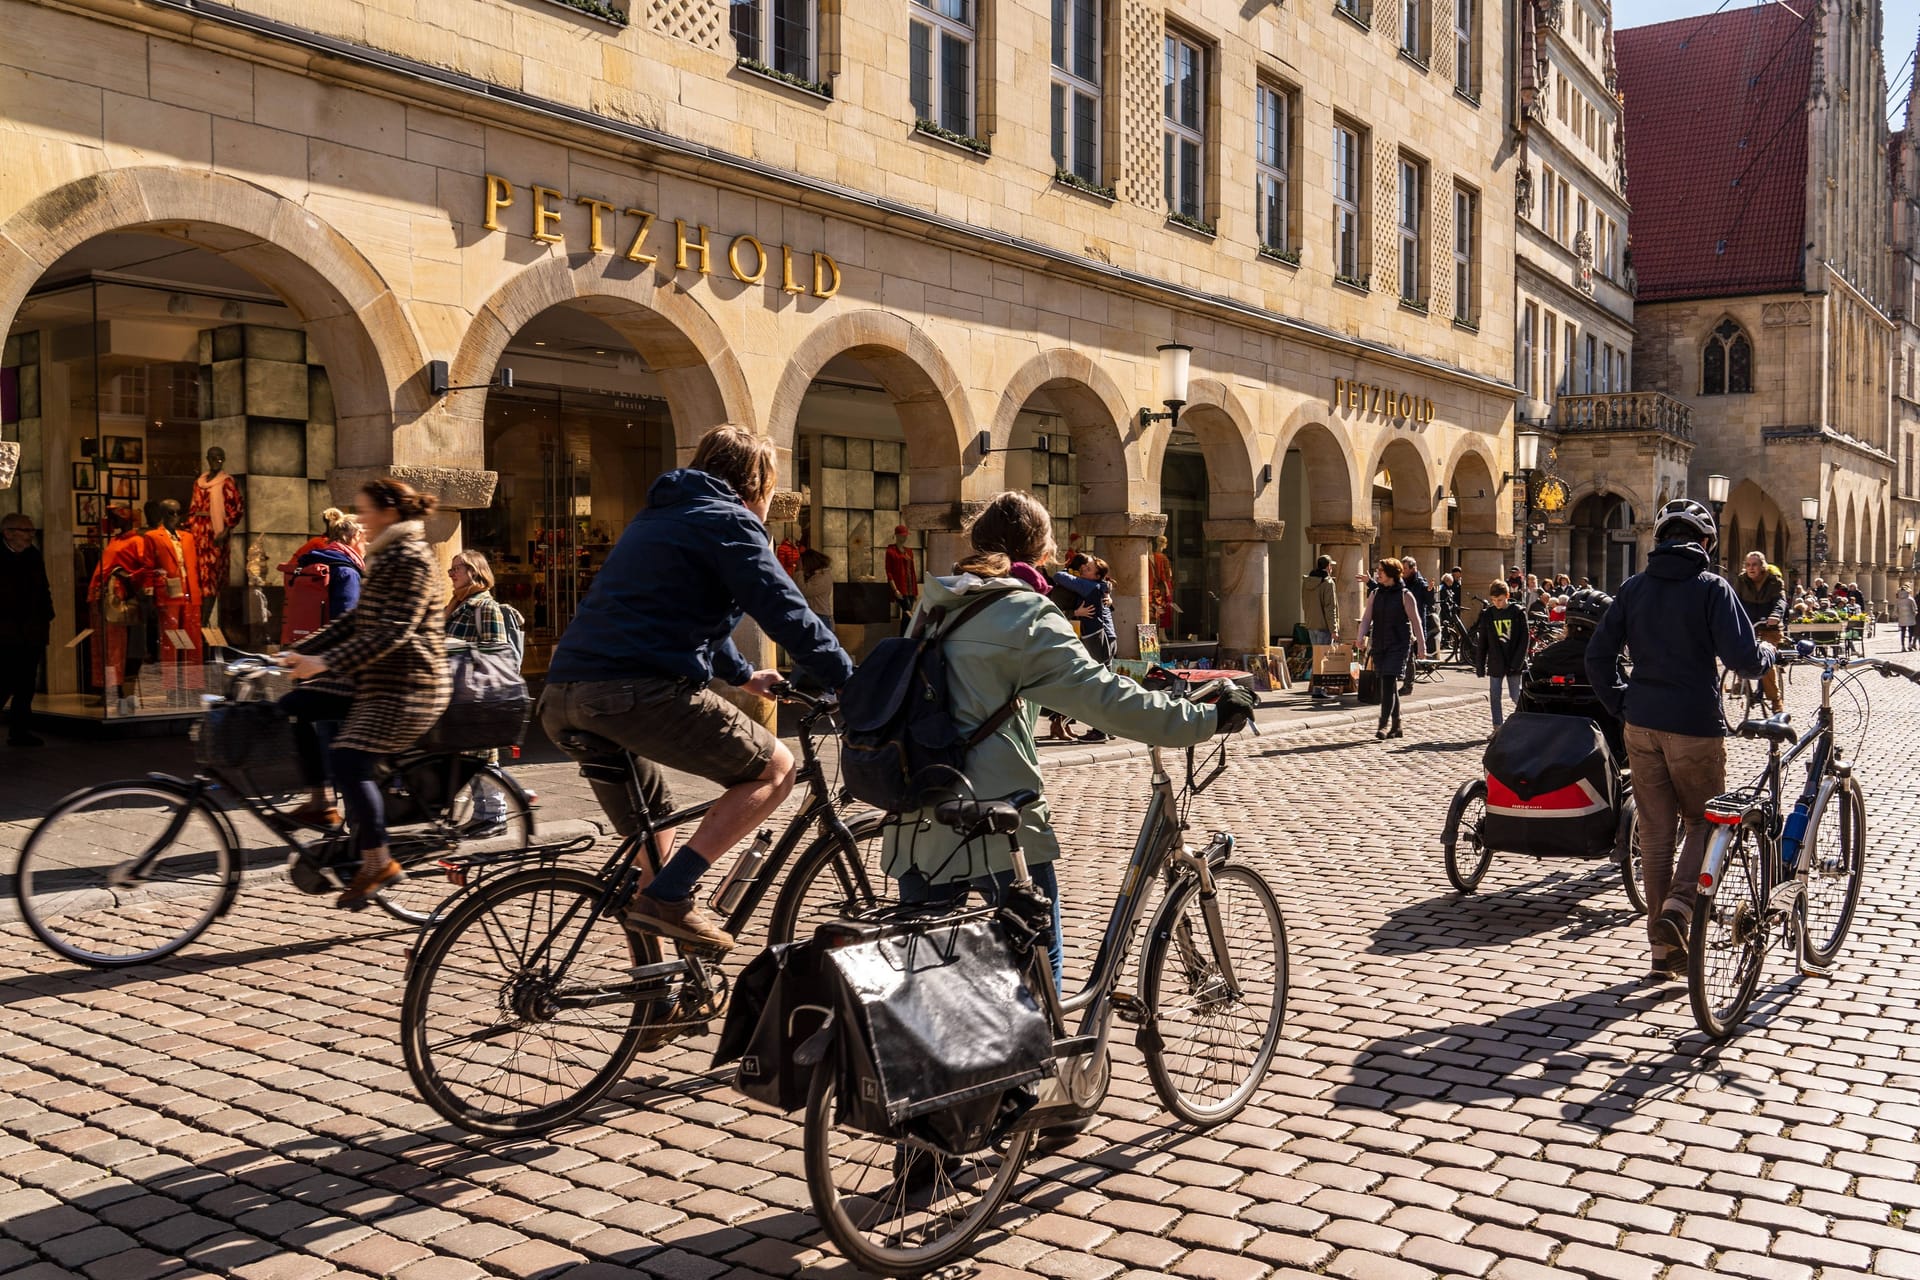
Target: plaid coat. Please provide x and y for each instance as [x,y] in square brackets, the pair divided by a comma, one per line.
[390,651]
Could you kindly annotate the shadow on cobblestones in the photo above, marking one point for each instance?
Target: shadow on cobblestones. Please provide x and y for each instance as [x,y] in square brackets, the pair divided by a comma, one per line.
[64,982]
[1553,904]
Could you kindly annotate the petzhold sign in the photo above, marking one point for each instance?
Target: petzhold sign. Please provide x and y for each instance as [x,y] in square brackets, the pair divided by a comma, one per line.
[639,235]
[1370,399]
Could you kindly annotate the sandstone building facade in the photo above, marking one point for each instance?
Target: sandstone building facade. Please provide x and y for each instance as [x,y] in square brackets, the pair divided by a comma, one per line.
[1756,157]
[905,241]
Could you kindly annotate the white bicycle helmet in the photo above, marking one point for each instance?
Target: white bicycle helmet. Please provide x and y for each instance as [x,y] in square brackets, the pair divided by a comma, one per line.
[1684,514]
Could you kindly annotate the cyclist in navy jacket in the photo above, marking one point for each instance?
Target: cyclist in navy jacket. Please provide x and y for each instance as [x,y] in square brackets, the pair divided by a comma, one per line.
[1678,620]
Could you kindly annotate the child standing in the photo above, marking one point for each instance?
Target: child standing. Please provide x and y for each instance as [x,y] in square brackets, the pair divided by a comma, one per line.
[1500,649]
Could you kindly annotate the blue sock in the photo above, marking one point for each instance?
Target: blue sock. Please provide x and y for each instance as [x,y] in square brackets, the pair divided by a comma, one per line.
[676,880]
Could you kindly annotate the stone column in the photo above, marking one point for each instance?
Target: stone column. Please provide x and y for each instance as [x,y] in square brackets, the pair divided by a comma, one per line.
[1482,557]
[1126,544]
[457,489]
[1347,544]
[944,525]
[1430,549]
[1244,625]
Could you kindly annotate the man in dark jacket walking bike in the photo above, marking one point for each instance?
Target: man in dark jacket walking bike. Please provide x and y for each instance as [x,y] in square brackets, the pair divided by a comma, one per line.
[1676,740]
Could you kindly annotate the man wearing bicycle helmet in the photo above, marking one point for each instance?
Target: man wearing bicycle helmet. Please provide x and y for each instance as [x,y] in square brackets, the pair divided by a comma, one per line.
[1679,620]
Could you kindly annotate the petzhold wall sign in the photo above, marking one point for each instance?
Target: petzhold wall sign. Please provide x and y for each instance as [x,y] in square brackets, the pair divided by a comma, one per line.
[640,235]
[1370,399]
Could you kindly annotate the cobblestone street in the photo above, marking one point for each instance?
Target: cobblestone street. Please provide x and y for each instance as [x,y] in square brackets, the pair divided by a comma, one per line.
[1480,1086]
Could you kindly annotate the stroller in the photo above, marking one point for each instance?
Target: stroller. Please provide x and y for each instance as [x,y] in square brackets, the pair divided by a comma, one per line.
[1554,781]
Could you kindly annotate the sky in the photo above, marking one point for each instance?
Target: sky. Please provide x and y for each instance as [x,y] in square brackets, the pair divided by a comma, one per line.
[1902,26]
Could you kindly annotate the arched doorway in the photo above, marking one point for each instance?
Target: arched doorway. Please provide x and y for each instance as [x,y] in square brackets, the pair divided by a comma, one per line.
[1316,492]
[1601,543]
[1752,521]
[1207,493]
[133,358]
[1403,504]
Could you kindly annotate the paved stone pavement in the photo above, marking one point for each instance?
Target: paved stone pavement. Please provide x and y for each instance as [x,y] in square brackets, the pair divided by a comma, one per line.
[1477,1087]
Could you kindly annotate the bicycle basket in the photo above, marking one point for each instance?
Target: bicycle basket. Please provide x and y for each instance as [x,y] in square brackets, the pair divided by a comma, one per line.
[251,739]
[938,1031]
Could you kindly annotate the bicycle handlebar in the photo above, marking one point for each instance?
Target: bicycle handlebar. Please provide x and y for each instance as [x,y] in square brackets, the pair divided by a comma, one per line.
[786,692]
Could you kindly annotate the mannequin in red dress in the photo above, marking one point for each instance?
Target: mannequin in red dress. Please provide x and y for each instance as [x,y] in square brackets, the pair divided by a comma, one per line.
[120,648]
[215,510]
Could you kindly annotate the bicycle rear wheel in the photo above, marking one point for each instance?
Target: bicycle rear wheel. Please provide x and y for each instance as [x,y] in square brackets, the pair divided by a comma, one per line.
[1467,855]
[487,814]
[520,1009]
[1728,948]
[1212,1045]
[1834,856]
[824,884]
[898,1208]
[125,874]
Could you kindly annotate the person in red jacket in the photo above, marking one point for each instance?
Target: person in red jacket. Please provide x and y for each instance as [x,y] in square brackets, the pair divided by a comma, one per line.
[902,575]
[120,593]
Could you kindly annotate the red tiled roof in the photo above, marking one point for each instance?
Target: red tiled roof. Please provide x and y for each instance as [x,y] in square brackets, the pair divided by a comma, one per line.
[1716,132]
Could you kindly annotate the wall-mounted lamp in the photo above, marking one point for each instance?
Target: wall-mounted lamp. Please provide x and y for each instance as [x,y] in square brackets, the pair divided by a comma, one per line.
[984,443]
[1266,474]
[437,380]
[1176,362]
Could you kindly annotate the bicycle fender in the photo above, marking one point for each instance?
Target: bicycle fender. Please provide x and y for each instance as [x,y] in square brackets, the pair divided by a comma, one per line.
[1715,860]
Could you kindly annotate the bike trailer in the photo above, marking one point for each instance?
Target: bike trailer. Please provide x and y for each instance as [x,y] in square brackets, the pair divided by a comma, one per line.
[1552,787]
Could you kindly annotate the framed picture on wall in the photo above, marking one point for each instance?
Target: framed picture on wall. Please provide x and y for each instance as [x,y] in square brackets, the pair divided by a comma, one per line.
[129,449]
[124,485]
[89,446]
[85,479]
[86,511]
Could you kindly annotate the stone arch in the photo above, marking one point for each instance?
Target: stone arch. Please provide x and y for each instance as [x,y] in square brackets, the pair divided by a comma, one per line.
[1096,414]
[1413,454]
[1473,480]
[682,345]
[1327,457]
[926,391]
[1220,421]
[1847,551]
[360,329]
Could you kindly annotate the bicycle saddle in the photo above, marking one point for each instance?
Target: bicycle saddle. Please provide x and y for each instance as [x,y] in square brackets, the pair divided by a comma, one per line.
[1777,729]
[582,745]
[997,817]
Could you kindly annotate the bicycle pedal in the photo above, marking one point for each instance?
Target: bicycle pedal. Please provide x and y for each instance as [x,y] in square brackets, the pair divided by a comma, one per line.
[1808,969]
[1128,1007]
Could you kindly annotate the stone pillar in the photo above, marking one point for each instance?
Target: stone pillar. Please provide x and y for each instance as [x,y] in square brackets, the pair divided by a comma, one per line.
[457,489]
[1126,544]
[1483,558]
[1429,549]
[1244,626]
[944,528]
[1347,544]
[1643,543]
[758,650]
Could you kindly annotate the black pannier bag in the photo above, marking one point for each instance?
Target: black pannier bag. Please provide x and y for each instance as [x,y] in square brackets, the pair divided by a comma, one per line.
[1552,789]
[779,1003]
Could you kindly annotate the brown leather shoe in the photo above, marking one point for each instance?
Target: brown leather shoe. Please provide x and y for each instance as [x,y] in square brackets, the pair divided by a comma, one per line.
[684,921]
[321,814]
[360,890]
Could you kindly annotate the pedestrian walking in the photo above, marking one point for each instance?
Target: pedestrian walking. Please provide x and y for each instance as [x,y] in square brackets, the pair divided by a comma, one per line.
[816,583]
[1320,602]
[1500,650]
[26,614]
[1391,621]
[1906,616]
[1423,596]
[1680,620]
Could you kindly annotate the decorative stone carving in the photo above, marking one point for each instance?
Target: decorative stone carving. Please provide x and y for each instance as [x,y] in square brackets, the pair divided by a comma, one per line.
[456,488]
[1774,315]
[1583,249]
[9,462]
[1523,191]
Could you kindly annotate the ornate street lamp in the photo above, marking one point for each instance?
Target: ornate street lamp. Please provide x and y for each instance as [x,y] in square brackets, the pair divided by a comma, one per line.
[1176,363]
[1907,541]
[1526,460]
[1810,512]
[1717,487]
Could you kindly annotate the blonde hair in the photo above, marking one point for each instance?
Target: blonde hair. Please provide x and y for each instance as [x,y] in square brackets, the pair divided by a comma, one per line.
[479,578]
[341,526]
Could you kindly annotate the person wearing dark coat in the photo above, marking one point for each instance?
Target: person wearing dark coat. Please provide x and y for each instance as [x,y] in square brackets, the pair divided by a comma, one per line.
[1680,620]
[1422,592]
[26,614]
[1392,621]
[1500,649]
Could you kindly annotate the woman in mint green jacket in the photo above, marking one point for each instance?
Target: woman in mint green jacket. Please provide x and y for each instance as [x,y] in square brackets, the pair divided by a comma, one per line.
[1022,646]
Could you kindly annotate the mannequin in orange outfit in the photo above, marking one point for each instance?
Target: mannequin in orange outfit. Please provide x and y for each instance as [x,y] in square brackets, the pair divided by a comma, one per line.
[121,648]
[176,589]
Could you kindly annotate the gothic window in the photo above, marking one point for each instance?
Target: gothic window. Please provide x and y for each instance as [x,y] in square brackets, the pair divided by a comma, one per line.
[1726,366]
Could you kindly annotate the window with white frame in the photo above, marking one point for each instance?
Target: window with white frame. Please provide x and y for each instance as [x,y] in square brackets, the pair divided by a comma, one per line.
[1529,325]
[1413,29]
[1347,201]
[1466,264]
[1413,196]
[1568,354]
[1464,48]
[1186,127]
[1549,367]
[940,39]
[1358,9]
[1620,371]
[1273,156]
[1076,88]
[1587,383]
[780,34]
[1560,211]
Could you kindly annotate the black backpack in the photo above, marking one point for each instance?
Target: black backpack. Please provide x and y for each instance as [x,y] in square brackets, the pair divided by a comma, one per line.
[900,745]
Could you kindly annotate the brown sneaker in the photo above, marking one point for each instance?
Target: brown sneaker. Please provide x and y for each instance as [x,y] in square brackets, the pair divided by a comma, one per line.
[682,920]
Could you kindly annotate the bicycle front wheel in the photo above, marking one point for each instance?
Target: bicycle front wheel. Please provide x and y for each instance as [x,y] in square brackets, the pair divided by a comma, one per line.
[520,1009]
[1728,947]
[832,881]
[125,874]
[1835,856]
[893,1207]
[1214,1038]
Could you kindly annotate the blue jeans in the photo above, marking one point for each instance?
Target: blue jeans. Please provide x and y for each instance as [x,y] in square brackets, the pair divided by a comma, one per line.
[914,888]
[1512,683]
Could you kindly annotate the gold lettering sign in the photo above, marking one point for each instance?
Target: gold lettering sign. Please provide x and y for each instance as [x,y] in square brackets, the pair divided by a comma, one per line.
[1370,399]
[747,257]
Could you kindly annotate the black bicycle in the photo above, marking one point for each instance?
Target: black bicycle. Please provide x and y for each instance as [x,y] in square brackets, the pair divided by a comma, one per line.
[1794,876]
[130,872]
[1210,1001]
[531,999]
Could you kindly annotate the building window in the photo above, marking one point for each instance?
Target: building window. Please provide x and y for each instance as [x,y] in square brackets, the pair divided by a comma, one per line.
[1726,366]
[1606,368]
[1580,219]
[1592,355]
[1273,150]
[1463,48]
[1466,233]
[1347,201]
[1560,210]
[1186,125]
[1568,354]
[1360,11]
[1546,198]
[940,51]
[1548,332]
[1413,29]
[1076,88]
[1529,325]
[1620,372]
[777,34]
[1413,195]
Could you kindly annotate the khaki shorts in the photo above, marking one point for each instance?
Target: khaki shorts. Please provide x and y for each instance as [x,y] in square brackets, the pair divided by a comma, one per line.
[676,723]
